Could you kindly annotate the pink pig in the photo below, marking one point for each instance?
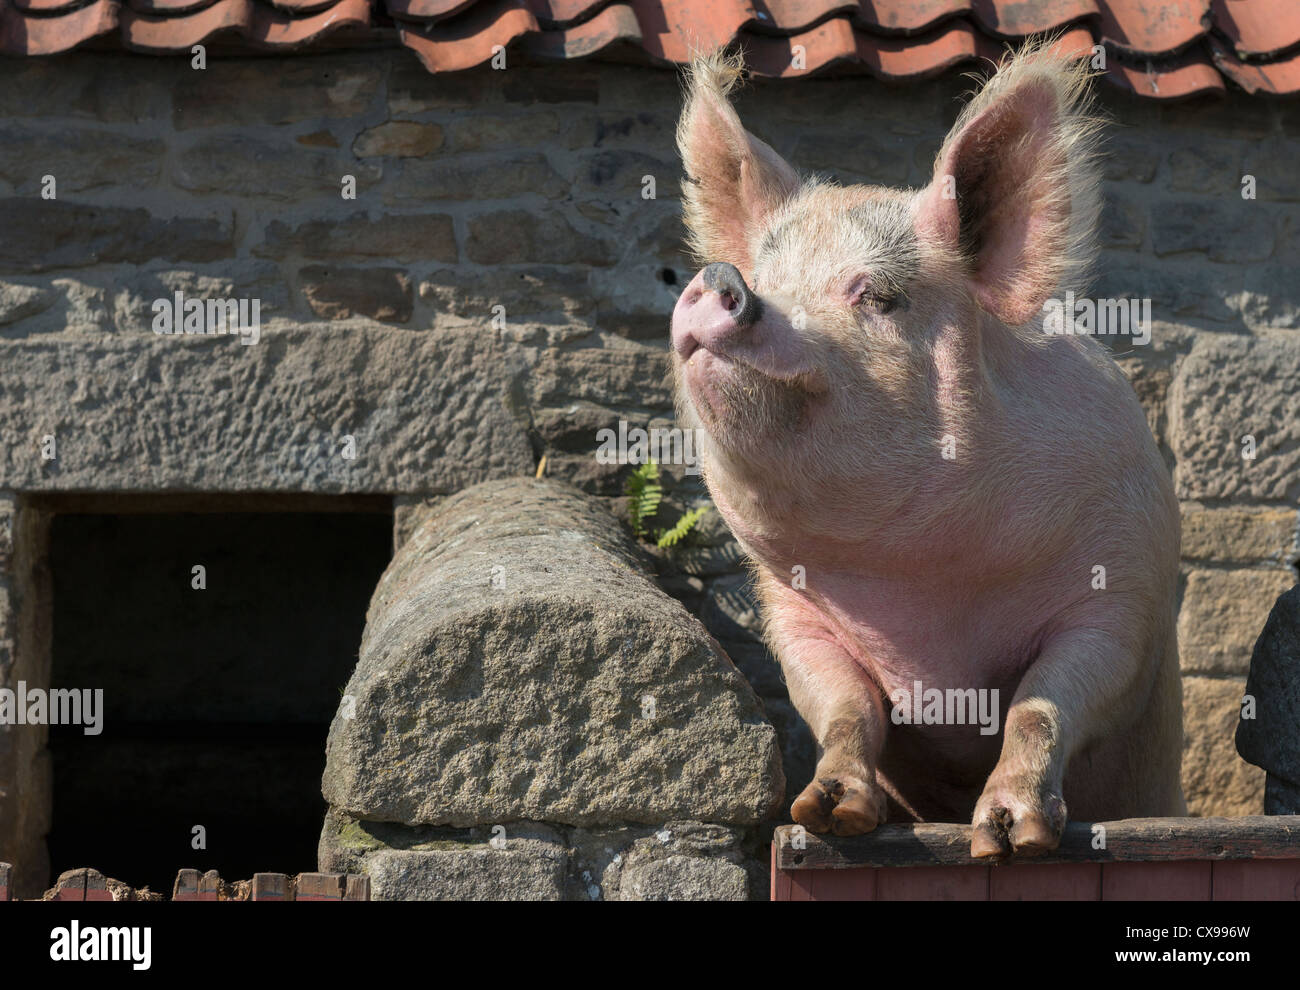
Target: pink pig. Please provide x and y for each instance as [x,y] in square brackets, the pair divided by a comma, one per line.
[931,488]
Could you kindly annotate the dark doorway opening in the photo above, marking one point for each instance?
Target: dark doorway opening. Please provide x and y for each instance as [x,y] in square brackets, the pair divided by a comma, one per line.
[216,701]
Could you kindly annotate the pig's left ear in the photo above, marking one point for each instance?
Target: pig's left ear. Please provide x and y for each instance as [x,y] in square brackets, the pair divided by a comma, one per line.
[733,180]
[1016,186]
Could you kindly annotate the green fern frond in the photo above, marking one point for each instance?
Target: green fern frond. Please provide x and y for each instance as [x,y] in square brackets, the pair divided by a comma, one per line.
[645,493]
[671,537]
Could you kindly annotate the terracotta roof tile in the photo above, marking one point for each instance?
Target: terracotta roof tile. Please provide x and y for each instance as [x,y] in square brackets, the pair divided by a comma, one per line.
[1017,18]
[906,17]
[1154,27]
[258,23]
[469,39]
[1279,76]
[427,11]
[48,6]
[1188,75]
[1258,28]
[26,35]
[1164,49]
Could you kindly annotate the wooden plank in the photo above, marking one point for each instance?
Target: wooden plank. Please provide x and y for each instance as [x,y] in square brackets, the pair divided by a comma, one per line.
[271,887]
[6,872]
[1184,881]
[845,885]
[933,883]
[320,887]
[801,885]
[1045,882]
[358,888]
[1257,880]
[781,885]
[1132,840]
[186,887]
[209,886]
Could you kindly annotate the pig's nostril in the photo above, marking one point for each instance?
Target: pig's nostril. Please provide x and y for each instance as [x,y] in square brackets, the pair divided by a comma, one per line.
[737,300]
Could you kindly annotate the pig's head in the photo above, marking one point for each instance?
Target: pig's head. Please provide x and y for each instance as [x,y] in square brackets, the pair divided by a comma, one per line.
[836,335]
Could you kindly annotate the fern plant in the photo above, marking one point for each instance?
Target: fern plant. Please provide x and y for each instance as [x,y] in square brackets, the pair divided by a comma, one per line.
[645,493]
[675,534]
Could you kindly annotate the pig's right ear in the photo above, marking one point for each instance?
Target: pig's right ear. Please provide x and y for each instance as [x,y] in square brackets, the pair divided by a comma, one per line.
[733,180]
[1016,186]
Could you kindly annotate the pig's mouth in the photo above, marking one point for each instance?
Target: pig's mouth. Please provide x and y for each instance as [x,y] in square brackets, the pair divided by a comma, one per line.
[743,399]
[700,363]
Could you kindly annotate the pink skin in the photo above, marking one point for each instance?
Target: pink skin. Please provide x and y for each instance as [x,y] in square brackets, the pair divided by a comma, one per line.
[708,344]
[952,595]
[881,561]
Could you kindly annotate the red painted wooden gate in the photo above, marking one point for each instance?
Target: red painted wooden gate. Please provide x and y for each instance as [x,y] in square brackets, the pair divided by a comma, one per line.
[1186,859]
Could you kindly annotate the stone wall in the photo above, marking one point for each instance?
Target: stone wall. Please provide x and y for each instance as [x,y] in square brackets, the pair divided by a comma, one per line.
[499,289]
[530,716]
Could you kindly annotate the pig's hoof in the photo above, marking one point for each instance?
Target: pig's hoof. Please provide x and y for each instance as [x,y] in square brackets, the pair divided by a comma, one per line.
[1002,828]
[843,805]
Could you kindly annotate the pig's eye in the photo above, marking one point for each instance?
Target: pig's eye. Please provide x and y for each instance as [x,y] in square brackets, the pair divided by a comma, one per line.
[862,295]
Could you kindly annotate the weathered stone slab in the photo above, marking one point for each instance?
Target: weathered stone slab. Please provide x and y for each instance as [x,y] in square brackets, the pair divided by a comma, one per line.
[1216,780]
[398,139]
[518,663]
[428,412]
[1227,390]
[527,867]
[1221,615]
[342,293]
[1239,534]
[274,169]
[77,158]
[45,234]
[678,860]
[17,302]
[391,237]
[683,878]
[534,237]
[303,89]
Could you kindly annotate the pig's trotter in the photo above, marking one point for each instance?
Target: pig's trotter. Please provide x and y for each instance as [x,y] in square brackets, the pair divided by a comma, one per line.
[843,804]
[1016,818]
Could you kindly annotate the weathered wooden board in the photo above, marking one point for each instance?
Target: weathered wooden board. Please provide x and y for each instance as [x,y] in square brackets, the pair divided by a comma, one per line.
[186,887]
[1157,881]
[1257,880]
[1045,882]
[933,883]
[272,887]
[1132,840]
[320,886]
[210,886]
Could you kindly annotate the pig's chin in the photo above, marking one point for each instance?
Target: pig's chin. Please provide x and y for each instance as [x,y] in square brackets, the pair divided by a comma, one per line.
[740,406]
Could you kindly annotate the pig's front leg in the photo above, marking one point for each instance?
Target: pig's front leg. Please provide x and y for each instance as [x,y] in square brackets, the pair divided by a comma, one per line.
[842,705]
[1080,683]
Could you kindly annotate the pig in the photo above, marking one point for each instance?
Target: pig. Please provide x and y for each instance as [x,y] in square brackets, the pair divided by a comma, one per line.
[933,491]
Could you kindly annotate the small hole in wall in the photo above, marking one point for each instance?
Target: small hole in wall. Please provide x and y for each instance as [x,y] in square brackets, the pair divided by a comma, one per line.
[216,701]
[669,276]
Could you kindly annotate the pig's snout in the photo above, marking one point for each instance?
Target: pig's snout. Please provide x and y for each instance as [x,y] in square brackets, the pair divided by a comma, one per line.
[714,308]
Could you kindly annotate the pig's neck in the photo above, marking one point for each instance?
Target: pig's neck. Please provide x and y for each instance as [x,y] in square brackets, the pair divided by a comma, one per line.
[920,511]
[926,526]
